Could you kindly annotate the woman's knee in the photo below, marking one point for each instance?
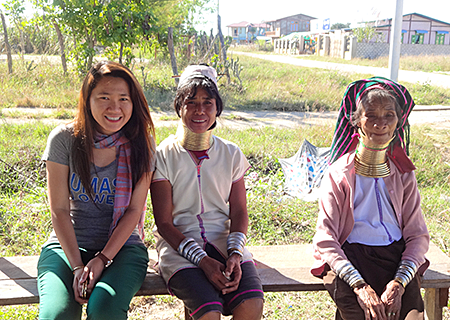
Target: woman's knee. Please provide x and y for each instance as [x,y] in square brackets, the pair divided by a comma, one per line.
[213,315]
[104,307]
[251,309]
[56,298]
[414,315]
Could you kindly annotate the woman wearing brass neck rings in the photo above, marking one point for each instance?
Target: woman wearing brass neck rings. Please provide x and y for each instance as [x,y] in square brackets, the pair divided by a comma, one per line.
[199,204]
[371,237]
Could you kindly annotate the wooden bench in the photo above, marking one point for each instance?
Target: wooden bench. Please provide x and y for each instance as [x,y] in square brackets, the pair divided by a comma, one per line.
[281,268]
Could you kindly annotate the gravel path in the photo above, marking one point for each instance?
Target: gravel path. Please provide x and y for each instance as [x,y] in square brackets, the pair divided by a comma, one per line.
[435,115]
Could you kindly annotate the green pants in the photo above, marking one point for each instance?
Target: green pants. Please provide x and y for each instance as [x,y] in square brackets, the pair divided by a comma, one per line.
[111,296]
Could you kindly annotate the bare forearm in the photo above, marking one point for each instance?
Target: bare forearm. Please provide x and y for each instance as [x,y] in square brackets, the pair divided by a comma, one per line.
[65,233]
[130,219]
[238,208]
[171,234]
[121,233]
[239,223]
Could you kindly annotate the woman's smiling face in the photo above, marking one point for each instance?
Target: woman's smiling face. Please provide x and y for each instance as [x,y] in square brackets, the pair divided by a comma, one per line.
[198,113]
[378,122]
[111,104]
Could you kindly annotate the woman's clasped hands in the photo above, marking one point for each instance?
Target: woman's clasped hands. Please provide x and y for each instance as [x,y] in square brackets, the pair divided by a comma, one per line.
[86,278]
[385,308]
[224,278]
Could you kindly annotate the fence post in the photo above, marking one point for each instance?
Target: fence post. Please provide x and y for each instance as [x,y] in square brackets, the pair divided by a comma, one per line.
[301,44]
[344,45]
[352,51]
[326,46]
[319,44]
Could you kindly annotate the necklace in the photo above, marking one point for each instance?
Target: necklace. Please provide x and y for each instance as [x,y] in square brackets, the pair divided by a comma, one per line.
[193,141]
[370,159]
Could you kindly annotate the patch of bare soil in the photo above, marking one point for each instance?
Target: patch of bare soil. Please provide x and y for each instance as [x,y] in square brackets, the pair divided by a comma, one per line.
[158,308]
[153,308]
[438,118]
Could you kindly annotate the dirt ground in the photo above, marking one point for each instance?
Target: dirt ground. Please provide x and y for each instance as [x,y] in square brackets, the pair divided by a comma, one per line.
[433,115]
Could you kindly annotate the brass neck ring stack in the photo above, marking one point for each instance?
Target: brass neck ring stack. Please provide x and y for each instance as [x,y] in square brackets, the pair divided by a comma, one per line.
[193,141]
[370,159]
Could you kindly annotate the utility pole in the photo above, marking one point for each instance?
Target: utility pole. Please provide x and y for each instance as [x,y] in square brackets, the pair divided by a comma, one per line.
[395,45]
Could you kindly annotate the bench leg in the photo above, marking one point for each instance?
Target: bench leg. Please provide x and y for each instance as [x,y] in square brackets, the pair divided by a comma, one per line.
[435,299]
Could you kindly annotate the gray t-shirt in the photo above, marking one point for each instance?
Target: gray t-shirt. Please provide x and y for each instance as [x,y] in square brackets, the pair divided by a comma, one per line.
[91,218]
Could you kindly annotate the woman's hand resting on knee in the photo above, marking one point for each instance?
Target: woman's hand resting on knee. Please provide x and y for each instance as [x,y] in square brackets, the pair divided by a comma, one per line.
[392,299]
[371,304]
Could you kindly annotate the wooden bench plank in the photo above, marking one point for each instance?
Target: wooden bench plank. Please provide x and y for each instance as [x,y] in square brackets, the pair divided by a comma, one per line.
[281,268]
[19,267]
[21,291]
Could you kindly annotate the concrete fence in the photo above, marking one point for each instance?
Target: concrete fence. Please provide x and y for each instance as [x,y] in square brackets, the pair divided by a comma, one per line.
[292,46]
[346,47]
[376,50]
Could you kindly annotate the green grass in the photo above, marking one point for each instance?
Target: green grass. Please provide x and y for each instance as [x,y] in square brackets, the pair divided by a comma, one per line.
[23,312]
[276,86]
[45,86]
[24,206]
[168,118]
[274,218]
[426,63]
[266,86]
[277,219]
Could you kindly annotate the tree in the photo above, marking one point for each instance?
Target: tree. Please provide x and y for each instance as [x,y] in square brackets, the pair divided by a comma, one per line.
[116,25]
[82,19]
[15,9]
[178,14]
[366,33]
[337,26]
[8,47]
[126,23]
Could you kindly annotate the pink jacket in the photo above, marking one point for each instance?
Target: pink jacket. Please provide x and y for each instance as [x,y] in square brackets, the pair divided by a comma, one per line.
[335,221]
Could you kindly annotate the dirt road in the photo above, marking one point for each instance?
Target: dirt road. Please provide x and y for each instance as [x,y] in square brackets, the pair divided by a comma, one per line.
[438,79]
[435,115]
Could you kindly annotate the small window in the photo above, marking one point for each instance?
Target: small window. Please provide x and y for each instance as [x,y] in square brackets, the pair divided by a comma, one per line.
[417,38]
[440,37]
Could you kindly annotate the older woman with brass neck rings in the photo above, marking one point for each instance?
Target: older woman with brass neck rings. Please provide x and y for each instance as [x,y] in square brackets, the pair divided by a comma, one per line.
[371,237]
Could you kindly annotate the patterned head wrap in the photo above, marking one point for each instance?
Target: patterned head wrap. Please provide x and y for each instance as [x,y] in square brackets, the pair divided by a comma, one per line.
[197,71]
[345,137]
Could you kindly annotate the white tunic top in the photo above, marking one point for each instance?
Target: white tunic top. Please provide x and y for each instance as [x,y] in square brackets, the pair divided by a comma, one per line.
[200,196]
[375,220]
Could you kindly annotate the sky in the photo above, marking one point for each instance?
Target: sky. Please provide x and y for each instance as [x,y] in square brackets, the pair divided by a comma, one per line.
[343,11]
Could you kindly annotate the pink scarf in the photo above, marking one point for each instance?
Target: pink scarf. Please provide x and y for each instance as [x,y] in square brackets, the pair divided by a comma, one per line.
[124,180]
